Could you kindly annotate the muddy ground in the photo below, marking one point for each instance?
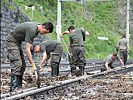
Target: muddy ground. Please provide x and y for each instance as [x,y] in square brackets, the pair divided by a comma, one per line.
[111,87]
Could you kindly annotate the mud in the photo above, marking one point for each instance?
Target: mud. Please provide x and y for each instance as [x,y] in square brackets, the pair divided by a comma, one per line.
[111,87]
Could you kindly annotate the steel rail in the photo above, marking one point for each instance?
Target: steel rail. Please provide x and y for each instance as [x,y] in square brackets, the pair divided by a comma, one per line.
[117,70]
[18,92]
[66,82]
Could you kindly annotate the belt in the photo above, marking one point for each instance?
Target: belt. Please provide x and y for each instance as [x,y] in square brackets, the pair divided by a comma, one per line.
[123,49]
[77,46]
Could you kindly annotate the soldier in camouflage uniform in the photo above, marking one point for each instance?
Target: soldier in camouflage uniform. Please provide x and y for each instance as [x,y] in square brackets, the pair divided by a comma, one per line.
[109,60]
[26,31]
[53,48]
[77,58]
[124,48]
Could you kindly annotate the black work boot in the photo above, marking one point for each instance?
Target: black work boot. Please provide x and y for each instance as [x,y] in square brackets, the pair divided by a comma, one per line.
[16,81]
[20,78]
[30,79]
[81,70]
[54,71]
[73,70]
[103,69]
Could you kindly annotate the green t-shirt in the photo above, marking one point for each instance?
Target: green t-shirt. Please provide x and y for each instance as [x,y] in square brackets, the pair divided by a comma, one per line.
[26,31]
[122,43]
[48,46]
[76,37]
[109,59]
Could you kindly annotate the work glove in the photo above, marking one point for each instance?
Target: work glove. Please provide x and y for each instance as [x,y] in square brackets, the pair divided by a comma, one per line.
[128,51]
[40,67]
[33,67]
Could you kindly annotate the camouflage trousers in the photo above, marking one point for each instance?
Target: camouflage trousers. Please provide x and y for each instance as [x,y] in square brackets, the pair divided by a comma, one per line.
[55,59]
[77,58]
[124,55]
[16,56]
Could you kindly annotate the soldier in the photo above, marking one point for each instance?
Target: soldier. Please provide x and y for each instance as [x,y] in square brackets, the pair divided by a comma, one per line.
[26,31]
[124,48]
[77,58]
[53,48]
[108,61]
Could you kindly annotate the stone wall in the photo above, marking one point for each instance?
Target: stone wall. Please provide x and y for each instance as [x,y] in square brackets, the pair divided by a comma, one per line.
[11,15]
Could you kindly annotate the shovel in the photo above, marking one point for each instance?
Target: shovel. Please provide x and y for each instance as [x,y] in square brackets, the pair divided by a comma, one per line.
[37,76]
[69,55]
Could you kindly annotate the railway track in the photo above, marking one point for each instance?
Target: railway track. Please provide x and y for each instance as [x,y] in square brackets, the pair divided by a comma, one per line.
[66,63]
[76,80]
[91,65]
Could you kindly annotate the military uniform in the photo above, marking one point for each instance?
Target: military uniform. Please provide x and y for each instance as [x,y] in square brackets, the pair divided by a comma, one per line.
[78,52]
[109,61]
[24,32]
[122,44]
[55,49]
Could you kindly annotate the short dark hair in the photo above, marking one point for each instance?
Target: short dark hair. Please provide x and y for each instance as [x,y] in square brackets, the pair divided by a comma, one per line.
[71,28]
[35,45]
[49,26]
[114,53]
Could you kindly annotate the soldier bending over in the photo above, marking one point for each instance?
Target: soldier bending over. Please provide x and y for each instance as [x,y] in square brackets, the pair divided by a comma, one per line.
[53,48]
[109,60]
[26,31]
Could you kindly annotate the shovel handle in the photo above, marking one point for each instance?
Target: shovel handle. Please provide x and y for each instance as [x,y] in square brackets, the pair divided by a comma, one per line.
[65,44]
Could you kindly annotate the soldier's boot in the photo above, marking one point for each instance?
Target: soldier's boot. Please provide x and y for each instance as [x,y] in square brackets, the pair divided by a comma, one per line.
[73,70]
[55,70]
[16,82]
[125,62]
[103,69]
[112,67]
[82,68]
[20,78]
[30,79]
[55,60]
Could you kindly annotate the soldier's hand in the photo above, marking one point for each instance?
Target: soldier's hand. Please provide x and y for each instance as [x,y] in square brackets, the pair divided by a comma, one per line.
[33,67]
[40,67]
[128,51]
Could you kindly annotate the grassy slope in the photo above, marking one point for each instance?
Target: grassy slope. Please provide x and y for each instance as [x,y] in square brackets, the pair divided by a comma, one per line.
[99,21]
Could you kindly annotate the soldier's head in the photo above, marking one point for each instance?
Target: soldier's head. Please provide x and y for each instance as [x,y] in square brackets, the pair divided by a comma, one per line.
[114,55]
[46,28]
[71,28]
[36,48]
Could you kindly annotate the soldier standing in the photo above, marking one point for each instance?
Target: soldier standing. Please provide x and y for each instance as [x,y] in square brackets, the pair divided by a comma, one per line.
[77,38]
[26,31]
[53,48]
[124,48]
[109,60]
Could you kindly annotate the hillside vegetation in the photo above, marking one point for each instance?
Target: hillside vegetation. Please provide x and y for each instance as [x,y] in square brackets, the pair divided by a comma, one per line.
[98,18]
